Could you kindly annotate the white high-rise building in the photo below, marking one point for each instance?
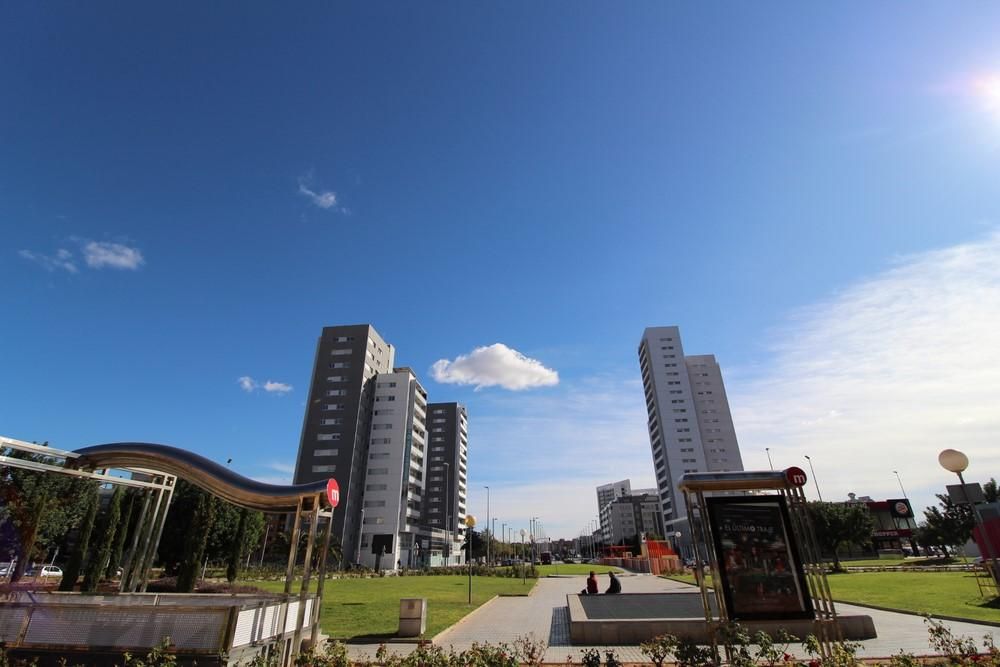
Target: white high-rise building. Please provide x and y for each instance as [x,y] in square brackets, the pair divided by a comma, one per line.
[690,426]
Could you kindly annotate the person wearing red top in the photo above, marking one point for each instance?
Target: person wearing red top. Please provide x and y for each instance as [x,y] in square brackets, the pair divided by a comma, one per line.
[591,588]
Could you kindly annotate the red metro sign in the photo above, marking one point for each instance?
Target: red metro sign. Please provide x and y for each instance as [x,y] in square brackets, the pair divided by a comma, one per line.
[795,476]
[332,492]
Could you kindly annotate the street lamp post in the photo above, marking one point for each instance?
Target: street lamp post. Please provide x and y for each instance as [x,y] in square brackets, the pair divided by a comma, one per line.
[493,530]
[470,523]
[768,450]
[815,481]
[896,472]
[488,522]
[955,461]
[447,510]
[524,567]
[503,538]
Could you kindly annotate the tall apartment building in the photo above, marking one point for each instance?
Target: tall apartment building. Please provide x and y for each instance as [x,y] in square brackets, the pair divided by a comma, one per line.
[690,426]
[394,479]
[608,492]
[447,486]
[337,421]
[368,425]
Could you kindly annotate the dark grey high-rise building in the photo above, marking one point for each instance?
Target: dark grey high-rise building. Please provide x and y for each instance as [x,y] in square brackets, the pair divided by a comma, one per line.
[445,488]
[337,423]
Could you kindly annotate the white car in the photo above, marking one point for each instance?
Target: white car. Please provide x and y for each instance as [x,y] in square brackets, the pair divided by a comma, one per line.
[47,571]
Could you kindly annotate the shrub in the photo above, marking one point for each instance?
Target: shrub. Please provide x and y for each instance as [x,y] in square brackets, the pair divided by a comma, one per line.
[660,649]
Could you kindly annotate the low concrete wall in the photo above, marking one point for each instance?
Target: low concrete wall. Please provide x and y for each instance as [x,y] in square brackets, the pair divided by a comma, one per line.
[617,631]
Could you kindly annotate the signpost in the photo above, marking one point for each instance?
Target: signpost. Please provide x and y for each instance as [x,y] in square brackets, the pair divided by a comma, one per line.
[333,493]
[796,476]
[332,497]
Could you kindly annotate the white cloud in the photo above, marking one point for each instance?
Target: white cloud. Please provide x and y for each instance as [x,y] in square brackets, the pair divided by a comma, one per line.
[883,376]
[324,200]
[494,365]
[278,466]
[103,254]
[249,385]
[61,260]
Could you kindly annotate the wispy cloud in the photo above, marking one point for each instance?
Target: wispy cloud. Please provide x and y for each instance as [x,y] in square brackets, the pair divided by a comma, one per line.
[883,376]
[102,254]
[278,466]
[494,365]
[324,199]
[249,385]
[95,255]
[61,260]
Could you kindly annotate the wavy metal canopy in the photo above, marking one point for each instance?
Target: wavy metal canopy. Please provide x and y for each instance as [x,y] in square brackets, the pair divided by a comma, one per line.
[208,475]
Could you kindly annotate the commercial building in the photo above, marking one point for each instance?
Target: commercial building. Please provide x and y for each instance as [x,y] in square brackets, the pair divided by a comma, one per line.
[608,492]
[690,426]
[366,425]
[632,516]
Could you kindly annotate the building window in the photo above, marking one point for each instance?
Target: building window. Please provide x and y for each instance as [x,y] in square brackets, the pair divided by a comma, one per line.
[336,392]
[378,471]
[330,421]
[336,378]
[325,452]
[381,441]
[340,351]
[327,468]
[385,411]
[374,503]
[376,487]
[340,364]
[385,398]
[386,384]
[377,520]
[380,455]
[333,407]
[327,436]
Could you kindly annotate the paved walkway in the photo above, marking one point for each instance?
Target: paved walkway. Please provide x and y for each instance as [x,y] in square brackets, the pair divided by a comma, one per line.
[543,614]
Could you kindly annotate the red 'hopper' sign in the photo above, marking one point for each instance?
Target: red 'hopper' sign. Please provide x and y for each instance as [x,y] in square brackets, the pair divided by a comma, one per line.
[332,492]
[796,476]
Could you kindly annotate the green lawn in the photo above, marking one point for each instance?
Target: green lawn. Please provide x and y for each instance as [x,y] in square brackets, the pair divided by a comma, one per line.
[354,607]
[941,593]
[937,593]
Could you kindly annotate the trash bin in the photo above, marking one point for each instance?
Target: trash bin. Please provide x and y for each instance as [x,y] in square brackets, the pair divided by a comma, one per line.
[412,617]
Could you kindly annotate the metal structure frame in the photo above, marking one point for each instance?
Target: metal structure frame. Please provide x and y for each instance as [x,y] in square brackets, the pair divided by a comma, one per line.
[695,486]
[161,465]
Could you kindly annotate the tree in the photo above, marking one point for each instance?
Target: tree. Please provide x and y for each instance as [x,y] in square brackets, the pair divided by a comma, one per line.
[72,571]
[194,547]
[120,536]
[990,491]
[41,507]
[109,526]
[948,526]
[840,524]
[237,547]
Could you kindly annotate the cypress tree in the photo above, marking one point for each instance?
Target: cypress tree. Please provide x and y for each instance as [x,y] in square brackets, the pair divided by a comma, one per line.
[194,546]
[120,537]
[72,571]
[236,547]
[109,525]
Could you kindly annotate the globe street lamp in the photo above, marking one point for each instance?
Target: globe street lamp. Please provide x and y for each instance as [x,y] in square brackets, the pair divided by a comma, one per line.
[470,523]
[955,461]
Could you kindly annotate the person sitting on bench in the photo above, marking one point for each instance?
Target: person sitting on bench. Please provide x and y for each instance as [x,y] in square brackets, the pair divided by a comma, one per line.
[615,587]
[591,588]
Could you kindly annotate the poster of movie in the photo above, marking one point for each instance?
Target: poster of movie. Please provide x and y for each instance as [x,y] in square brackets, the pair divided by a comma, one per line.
[761,573]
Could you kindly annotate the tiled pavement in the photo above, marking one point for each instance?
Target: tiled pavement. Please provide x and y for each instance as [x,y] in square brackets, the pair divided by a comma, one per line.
[544,615]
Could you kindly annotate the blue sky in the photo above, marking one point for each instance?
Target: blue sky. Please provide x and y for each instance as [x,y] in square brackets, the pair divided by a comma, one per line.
[188,194]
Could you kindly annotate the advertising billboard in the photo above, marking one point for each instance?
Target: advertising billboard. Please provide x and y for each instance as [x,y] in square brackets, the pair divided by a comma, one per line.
[762,575]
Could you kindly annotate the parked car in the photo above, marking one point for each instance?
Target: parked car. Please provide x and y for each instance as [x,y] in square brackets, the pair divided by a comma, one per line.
[46,571]
[5,569]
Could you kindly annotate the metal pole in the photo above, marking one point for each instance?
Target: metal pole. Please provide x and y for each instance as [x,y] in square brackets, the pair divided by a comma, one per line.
[487,525]
[447,510]
[159,533]
[986,537]
[128,571]
[267,530]
[146,540]
[768,450]
[815,481]
[896,472]
[306,571]
[293,548]
[524,565]
[321,579]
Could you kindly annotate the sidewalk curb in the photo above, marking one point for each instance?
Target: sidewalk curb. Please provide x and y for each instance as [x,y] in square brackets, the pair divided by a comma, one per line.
[937,617]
